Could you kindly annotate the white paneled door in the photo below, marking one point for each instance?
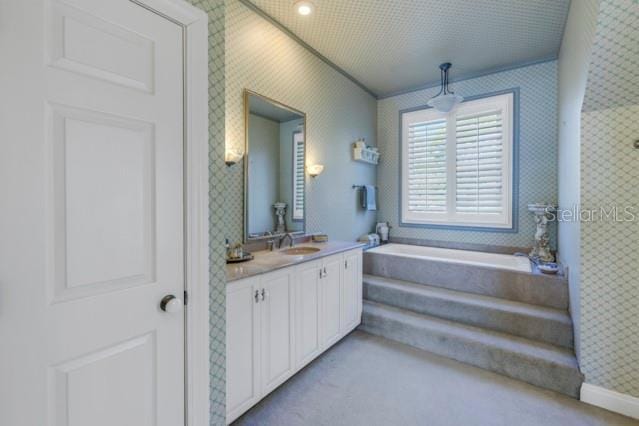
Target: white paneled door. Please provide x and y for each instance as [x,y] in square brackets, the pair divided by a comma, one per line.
[112,99]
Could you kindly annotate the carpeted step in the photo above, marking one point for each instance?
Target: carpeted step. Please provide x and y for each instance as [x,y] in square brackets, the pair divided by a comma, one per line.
[539,364]
[534,288]
[533,322]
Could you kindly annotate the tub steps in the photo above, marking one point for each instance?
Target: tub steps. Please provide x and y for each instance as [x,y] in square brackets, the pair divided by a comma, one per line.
[534,289]
[523,341]
[548,325]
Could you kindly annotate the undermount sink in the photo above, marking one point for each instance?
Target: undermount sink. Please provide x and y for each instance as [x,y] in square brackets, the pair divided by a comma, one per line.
[297,251]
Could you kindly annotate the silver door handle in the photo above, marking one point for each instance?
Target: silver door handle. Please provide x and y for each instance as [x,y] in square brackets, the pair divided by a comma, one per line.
[171,304]
[257,296]
[264,294]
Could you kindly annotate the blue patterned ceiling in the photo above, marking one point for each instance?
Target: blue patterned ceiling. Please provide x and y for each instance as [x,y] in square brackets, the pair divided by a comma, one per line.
[392,46]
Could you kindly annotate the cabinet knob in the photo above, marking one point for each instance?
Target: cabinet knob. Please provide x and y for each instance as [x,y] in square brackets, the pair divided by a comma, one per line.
[264,294]
[257,296]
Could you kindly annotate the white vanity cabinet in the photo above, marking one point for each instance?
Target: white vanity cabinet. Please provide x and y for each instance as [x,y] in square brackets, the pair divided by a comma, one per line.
[332,299]
[259,338]
[351,308]
[276,328]
[242,346]
[308,311]
[280,321]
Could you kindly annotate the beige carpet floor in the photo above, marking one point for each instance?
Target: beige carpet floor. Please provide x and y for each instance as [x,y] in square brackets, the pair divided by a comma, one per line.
[368,380]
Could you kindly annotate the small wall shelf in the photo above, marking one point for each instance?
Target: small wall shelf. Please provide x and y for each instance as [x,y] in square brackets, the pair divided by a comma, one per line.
[365,155]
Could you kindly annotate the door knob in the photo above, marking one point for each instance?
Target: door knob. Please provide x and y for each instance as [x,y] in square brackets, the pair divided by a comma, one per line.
[171,304]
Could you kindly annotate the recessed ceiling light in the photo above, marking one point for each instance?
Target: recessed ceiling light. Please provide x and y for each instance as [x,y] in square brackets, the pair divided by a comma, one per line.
[304,7]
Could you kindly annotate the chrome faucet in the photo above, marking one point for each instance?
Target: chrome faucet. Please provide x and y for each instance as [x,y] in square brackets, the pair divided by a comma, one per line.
[290,237]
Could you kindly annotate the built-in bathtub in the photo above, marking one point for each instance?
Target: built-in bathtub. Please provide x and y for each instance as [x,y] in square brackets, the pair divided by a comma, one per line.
[467,257]
[491,274]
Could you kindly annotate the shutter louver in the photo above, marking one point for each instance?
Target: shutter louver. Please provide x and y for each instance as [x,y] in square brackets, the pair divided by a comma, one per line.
[479,162]
[427,166]
[298,178]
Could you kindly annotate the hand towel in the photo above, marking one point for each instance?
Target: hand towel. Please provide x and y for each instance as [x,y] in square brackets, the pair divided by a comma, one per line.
[370,197]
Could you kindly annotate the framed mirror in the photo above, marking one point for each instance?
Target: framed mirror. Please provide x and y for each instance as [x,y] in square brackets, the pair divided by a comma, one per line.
[274,168]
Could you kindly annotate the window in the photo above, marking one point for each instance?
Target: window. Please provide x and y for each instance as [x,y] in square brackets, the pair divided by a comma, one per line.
[457,167]
[298,175]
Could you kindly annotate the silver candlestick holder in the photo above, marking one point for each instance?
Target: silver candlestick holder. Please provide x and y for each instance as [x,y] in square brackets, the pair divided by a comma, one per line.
[541,249]
[280,213]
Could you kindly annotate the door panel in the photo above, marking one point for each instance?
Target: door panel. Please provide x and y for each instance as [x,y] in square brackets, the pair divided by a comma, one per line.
[331,297]
[125,373]
[350,292]
[78,40]
[102,163]
[242,347]
[308,313]
[114,155]
[277,329]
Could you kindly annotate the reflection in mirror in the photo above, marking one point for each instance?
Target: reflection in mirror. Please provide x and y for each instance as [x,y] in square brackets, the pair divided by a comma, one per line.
[274,168]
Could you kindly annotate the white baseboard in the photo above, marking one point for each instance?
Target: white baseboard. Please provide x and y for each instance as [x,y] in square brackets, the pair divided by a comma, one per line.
[610,400]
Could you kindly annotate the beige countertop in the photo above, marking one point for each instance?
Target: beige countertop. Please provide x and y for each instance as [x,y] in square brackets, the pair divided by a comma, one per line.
[267,261]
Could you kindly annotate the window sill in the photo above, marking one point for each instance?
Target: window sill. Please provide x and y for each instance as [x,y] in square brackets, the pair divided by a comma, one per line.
[512,229]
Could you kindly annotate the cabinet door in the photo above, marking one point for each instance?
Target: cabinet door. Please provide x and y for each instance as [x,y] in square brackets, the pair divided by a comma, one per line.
[331,299]
[277,328]
[307,314]
[242,347]
[351,290]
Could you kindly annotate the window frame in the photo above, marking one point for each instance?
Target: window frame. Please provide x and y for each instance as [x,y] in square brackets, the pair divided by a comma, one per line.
[508,221]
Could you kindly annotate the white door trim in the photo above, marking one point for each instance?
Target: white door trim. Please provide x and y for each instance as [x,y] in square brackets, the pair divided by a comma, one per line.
[194,23]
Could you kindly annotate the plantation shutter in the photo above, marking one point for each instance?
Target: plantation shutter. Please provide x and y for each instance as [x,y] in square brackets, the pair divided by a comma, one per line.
[298,176]
[427,166]
[479,163]
[457,167]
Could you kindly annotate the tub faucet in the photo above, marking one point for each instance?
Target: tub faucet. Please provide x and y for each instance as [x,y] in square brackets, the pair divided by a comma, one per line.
[290,237]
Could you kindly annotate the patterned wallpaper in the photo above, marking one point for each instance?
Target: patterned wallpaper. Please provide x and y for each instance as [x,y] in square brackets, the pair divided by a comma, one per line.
[574,58]
[217,183]
[609,175]
[338,112]
[262,58]
[392,46]
[537,151]
[612,77]
[609,266]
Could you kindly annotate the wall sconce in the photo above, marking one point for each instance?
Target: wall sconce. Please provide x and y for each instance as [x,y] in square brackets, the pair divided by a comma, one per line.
[232,156]
[315,169]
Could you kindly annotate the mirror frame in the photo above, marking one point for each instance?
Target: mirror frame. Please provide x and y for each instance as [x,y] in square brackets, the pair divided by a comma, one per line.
[246,95]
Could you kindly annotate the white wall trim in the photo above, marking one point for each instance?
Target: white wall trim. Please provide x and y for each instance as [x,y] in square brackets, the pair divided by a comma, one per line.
[196,213]
[610,400]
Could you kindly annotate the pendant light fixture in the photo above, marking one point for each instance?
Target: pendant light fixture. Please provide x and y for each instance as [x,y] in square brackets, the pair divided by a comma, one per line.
[446,99]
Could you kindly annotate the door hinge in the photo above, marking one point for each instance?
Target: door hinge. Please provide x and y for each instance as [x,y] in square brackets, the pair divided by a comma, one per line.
[186,298]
